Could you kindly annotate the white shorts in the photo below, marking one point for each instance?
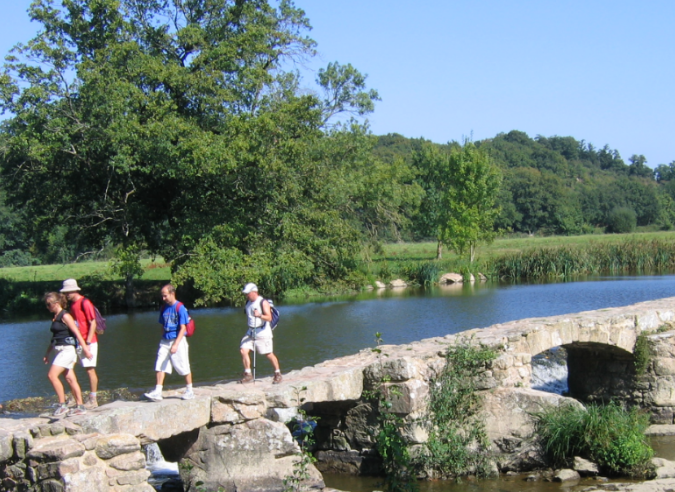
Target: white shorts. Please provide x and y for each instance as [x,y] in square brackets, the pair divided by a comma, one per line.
[93,348]
[166,361]
[263,341]
[66,356]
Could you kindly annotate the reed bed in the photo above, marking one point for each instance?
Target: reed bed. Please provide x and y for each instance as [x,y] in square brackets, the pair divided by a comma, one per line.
[634,256]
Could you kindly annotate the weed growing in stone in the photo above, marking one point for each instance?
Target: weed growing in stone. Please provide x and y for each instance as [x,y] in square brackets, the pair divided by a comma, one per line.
[641,354]
[609,435]
[391,444]
[457,443]
[302,428]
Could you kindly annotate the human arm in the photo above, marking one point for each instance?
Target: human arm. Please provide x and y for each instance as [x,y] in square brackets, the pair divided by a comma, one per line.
[266,314]
[90,315]
[183,319]
[70,323]
[46,357]
[179,337]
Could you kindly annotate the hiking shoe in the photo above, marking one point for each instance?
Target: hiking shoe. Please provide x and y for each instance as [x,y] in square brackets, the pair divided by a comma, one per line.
[277,378]
[78,410]
[61,411]
[91,402]
[248,378]
[70,402]
[154,395]
[188,394]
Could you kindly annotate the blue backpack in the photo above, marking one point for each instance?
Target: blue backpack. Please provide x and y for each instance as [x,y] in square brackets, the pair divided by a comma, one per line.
[274,311]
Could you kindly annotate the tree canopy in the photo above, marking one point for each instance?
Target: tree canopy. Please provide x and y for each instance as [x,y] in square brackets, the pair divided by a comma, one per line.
[176,127]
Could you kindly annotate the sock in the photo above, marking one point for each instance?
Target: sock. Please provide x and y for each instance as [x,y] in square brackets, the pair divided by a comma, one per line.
[188,387]
[247,371]
[159,387]
[93,393]
[278,370]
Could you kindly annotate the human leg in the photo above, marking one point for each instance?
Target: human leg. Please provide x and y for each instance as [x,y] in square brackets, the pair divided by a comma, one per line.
[71,379]
[275,362]
[53,376]
[162,367]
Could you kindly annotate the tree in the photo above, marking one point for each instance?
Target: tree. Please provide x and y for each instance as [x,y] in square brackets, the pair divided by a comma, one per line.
[470,209]
[173,127]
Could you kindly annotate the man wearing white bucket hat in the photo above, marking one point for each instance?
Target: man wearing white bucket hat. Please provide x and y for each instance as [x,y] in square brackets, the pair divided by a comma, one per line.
[82,309]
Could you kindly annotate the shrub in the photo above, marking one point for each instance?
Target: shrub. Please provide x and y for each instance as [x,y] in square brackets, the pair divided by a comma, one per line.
[621,220]
[608,435]
[457,442]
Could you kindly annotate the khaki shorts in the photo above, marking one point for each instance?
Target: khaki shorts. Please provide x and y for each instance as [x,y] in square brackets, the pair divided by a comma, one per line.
[166,361]
[66,356]
[263,344]
[93,348]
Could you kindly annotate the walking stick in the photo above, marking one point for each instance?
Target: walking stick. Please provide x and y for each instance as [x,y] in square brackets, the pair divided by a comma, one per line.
[255,349]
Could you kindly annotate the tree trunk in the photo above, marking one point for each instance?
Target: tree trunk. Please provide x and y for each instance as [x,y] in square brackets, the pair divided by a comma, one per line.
[129,292]
[439,250]
[472,252]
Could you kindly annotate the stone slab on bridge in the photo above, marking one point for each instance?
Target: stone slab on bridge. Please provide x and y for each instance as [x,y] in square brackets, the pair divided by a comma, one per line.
[226,433]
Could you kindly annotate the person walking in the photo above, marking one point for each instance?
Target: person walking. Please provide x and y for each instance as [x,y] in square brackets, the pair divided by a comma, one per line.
[173,347]
[82,309]
[65,336]
[259,334]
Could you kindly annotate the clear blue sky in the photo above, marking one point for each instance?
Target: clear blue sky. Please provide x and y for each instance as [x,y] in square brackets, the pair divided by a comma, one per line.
[597,70]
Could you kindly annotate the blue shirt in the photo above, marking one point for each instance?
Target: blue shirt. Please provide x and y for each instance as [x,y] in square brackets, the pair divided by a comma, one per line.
[171,320]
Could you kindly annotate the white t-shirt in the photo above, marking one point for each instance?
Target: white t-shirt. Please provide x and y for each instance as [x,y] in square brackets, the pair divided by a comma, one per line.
[257,322]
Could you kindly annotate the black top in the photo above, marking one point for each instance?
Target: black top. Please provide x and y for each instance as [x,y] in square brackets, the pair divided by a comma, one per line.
[60,330]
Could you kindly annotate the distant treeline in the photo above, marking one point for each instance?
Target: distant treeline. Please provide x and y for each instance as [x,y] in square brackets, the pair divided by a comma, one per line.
[560,185]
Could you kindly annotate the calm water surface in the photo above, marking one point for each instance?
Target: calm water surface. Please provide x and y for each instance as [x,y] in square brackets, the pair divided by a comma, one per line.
[312,332]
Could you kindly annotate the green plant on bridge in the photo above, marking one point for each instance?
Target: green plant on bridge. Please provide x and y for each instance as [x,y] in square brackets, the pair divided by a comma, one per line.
[610,436]
[457,443]
[391,444]
[303,431]
[641,354]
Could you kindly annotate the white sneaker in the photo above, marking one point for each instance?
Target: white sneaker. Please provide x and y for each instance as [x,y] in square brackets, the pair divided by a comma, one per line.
[154,395]
[188,394]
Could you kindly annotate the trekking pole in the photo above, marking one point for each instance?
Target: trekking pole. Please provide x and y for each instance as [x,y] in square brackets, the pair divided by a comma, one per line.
[254,351]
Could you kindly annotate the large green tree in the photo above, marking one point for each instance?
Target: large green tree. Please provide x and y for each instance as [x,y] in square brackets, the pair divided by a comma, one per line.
[173,126]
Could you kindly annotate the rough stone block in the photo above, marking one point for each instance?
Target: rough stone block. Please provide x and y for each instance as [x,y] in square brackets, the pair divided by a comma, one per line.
[47,470]
[664,366]
[66,467]
[128,462]
[153,421]
[135,478]
[22,442]
[58,448]
[110,446]
[6,448]
[412,397]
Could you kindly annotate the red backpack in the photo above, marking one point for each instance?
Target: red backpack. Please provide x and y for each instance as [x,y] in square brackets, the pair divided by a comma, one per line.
[190,326]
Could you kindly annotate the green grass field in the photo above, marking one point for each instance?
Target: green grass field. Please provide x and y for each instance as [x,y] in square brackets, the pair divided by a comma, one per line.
[398,252]
[154,270]
[427,251]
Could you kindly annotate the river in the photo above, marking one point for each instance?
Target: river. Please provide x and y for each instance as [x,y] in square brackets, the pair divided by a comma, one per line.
[312,332]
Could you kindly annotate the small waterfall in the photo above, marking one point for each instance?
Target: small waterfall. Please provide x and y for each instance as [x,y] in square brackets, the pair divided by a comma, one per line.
[155,463]
[549,371]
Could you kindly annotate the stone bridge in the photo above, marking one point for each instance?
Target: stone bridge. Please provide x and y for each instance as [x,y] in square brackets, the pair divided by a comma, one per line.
[236,437]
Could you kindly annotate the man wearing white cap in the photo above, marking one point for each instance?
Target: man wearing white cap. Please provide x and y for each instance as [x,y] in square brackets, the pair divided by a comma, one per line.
[259,334]
[82,309]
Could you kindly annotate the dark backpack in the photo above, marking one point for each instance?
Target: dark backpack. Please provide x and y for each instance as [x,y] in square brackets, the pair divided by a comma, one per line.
[100,320]
[190,327]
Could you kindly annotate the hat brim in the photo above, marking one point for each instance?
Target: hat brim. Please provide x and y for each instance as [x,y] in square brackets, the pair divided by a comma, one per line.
[65,291]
